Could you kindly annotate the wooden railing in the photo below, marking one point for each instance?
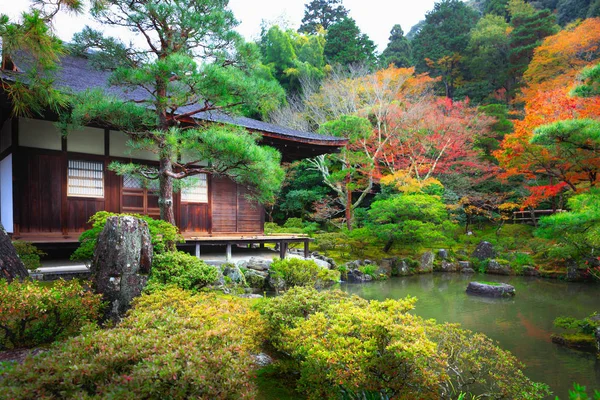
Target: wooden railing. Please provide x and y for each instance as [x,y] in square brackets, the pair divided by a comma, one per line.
[532,216]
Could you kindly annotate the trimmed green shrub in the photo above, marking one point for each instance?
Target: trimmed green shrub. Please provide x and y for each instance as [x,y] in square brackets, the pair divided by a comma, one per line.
[346,346]
[32,314]
[298,272]
[164,236]
[182,270]
[172,345]
[29,254]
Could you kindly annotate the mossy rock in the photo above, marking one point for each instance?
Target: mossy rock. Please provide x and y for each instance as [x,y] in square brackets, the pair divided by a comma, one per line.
[579,341]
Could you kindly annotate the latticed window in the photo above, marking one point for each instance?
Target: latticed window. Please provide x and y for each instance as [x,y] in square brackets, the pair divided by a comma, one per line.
[137,182]
[85,178]
[195,189]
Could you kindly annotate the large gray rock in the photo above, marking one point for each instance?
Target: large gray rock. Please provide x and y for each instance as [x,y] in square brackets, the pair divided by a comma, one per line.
[257,264]
[121,263]
[11,266]
[443,254]
[497,268]
[256,279]
[234,273]
[530,271]
[598,339]
[484,250]
[462,265]
[447,266]
[357,276]
[497,290]
[426,264]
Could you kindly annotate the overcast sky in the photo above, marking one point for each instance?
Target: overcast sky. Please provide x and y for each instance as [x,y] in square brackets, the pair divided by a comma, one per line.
[374,17]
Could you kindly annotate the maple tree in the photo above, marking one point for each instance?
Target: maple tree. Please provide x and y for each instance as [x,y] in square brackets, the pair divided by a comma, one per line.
[551,169]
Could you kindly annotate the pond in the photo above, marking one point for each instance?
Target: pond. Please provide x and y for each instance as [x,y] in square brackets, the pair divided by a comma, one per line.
[522,324]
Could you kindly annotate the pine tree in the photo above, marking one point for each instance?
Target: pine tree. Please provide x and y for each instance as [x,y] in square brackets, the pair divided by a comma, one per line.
[346,45]
[398,50]
[322,13]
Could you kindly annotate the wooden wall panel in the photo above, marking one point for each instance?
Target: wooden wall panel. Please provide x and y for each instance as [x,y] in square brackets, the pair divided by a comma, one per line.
[224,205]
[232,212]
[39,180]
[250,213]
[194,217]
[80,210]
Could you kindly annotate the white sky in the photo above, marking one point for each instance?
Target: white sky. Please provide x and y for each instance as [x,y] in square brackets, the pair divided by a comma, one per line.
[374,17]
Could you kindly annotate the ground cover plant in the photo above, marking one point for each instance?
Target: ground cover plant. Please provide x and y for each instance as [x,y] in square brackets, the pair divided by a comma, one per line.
[29,254]
[297,272]
[180,269]
[32,314]
[172,344]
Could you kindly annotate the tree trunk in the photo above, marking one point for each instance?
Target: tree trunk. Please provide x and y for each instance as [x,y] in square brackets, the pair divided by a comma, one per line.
[165,199]
[11,266]
[388,245]
[348,206]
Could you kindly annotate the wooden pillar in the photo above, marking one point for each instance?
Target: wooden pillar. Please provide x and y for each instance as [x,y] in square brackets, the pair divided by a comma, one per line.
[282,249]
[306,251]
[197,249]
[228,253]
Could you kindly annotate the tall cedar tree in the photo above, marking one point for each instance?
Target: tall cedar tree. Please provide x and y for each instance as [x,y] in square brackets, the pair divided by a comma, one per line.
[322,13]
[191,61]
[346,45]
[442,41]
[398,50]
[529,29]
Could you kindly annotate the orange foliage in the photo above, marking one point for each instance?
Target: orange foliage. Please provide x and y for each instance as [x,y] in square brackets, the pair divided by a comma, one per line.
[549,78]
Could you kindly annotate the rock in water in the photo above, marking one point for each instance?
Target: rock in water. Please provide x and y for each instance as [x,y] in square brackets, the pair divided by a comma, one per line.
[426,264]
[495,290]
[484,250]
[121,263]
[11,266]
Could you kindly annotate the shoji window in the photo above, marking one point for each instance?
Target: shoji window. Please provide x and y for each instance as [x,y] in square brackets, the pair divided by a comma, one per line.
[85,178]
[195,189]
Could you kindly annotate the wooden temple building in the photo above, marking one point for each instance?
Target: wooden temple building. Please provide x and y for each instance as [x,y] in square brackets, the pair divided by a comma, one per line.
[50,185]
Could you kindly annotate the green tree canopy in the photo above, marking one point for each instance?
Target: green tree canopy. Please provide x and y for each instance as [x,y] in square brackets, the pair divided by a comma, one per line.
[442,41]
[398,50]
[346,45]
[192,61]
[322,14]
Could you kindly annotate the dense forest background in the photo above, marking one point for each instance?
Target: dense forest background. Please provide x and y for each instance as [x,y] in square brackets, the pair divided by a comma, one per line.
[457,113]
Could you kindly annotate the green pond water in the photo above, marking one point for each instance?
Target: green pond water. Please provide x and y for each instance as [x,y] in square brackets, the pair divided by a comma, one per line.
[522,324]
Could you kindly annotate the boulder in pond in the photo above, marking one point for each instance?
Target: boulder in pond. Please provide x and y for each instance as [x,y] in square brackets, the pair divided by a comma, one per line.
[443,254]
[121,263]
[491,290]
[528,270]
[484,250]
[498,268]
[256,279]
[234,273]
[401,269]
[426,264]
[357,276]
[447,266]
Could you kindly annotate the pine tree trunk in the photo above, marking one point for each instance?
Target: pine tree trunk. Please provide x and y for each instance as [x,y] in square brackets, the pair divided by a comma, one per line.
[348,205]
[11,266]
[166,192]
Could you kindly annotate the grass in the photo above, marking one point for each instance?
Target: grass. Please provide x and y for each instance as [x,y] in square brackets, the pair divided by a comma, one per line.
[490,283]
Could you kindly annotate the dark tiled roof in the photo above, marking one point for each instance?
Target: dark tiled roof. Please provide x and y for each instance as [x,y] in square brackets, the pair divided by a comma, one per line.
[77,75]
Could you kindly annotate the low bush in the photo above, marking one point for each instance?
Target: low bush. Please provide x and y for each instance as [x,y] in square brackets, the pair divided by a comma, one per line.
[347,347]
[180,269]
[298,272]
[29,254]
[164,236]
[171,345]
[587,325]
[370,270]
[32,314]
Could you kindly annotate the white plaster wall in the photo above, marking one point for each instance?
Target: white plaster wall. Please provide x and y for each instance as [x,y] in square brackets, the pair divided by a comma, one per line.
[6,193]
[119,148]
[5,135]
[187,156]
[39,134]
[87,140]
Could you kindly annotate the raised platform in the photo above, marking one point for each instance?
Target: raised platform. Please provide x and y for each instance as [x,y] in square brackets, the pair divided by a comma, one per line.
[191,238]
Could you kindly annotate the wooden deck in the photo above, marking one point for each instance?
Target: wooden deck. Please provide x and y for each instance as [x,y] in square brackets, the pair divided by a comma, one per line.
[190,238]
